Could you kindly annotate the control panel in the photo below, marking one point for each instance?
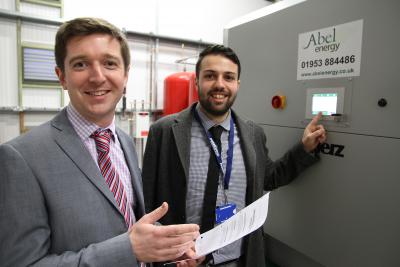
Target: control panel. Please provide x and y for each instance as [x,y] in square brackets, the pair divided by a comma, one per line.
[329,101]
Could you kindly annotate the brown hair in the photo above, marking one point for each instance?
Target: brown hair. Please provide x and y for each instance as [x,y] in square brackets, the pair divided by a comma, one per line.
[84,27]
[218,50]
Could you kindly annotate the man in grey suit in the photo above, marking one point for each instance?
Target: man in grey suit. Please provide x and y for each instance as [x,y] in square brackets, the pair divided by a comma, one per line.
[183,148]
[71,189]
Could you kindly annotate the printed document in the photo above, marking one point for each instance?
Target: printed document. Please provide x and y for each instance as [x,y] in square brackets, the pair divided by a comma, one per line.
[243,223]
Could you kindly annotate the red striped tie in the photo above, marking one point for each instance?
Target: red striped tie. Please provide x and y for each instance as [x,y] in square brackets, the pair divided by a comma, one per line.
[102,139]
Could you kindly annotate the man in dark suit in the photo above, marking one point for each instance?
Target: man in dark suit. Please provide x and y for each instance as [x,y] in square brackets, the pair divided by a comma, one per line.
[71,189]
[182,149]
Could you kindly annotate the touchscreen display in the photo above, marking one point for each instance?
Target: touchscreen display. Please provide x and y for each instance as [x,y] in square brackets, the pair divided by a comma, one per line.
[326,103]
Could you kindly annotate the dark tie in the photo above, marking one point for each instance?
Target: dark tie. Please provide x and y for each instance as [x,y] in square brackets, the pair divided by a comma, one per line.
[210,194]
[102,139]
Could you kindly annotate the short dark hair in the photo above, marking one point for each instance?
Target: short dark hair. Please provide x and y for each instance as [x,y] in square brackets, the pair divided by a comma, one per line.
[83,27]
[218,50]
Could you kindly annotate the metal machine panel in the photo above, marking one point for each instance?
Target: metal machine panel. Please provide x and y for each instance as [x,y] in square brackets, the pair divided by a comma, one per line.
[267,48]
[342,211]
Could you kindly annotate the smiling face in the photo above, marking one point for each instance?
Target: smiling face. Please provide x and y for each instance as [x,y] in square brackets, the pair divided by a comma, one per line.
[218,85]
[94,76]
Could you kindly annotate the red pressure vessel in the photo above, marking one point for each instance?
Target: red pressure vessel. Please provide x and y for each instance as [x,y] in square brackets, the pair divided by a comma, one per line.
[193,95]
[176,91]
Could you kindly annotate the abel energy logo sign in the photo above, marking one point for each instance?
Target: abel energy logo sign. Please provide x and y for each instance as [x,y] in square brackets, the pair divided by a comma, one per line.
[331,52]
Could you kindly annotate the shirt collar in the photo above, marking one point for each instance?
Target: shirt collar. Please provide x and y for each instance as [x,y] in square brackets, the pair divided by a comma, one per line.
[208,123]
[83,127]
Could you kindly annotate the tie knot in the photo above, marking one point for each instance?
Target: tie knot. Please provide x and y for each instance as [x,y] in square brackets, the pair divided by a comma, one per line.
[216,132]
[102,139]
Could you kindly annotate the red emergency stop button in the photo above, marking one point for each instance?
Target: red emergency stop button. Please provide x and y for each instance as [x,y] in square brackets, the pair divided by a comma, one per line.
[278,101]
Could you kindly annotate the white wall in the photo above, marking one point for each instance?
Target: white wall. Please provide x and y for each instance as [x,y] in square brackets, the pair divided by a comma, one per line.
[188,19]
[7,4]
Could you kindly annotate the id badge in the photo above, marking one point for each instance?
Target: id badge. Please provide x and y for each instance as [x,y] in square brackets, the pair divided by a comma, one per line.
[223,213]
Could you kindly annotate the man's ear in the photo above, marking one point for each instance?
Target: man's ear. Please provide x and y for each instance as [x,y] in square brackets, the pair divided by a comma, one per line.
[61,77]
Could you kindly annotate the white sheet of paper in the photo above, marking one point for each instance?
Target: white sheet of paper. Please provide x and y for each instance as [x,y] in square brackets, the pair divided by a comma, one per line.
[243,223]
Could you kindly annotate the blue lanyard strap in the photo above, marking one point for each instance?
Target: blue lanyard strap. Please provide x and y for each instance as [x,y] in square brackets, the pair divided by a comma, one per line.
[229,153]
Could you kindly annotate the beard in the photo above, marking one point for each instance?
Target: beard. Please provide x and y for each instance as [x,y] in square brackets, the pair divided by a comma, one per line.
[211,108]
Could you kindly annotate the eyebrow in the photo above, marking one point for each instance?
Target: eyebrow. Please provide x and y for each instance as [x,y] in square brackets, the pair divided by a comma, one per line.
[107,56]
[76,58]
[226,72]
[208,70]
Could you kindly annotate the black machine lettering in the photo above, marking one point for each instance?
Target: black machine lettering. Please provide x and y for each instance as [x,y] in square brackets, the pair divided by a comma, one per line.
[331,149]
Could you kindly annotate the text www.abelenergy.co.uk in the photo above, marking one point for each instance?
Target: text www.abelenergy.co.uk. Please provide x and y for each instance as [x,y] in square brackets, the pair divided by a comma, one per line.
[327,72]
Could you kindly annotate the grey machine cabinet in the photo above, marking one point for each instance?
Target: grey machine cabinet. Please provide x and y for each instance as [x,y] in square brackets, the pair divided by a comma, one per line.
[344,211]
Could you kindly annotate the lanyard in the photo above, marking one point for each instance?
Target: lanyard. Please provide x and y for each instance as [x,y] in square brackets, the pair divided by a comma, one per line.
[229,153]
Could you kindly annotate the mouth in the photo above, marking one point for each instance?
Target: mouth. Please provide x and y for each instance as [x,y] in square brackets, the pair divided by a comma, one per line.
[97,92]
[218,96]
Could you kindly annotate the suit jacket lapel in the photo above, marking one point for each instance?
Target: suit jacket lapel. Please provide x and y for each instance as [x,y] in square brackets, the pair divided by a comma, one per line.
[182,131]
[132,162]
[66,137]
[246,133]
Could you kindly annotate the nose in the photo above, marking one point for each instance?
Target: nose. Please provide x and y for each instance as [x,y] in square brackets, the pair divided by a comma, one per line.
[97,74]
[219,82]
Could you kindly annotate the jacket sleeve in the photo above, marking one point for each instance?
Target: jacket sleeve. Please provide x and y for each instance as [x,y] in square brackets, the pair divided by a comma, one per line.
[284,170]
[25,231]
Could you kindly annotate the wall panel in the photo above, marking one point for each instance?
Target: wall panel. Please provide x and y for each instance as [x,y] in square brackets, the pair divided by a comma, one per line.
[8,64]
[40,10]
